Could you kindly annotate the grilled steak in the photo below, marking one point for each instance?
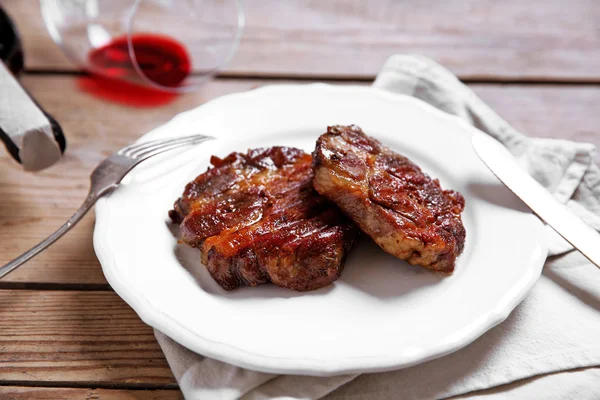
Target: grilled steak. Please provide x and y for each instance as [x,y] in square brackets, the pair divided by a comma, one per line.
[256,218]
[405,211]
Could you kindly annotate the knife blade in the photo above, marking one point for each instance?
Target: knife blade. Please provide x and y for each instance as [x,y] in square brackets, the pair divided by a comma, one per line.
[567,224]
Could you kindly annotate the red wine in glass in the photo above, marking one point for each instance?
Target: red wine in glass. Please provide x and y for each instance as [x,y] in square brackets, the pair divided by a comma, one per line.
[163,60]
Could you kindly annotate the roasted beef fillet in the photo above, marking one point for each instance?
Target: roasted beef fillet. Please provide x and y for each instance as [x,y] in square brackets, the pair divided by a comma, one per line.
[256,218]
[406,212]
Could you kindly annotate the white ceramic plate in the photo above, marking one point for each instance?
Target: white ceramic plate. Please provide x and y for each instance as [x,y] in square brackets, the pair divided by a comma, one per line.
[382,313]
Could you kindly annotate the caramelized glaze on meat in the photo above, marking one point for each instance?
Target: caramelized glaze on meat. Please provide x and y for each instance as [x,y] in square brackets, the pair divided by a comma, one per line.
[256,218]
[405,211]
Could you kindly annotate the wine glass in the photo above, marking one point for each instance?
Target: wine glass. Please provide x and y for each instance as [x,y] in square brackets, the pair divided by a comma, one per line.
[171,45]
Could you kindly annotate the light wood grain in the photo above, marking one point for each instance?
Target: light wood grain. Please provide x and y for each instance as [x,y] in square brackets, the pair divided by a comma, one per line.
[476,39]
[45,393]
[72,336]
[33,205]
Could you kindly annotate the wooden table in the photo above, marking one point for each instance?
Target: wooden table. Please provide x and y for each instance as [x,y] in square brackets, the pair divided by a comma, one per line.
[65,333]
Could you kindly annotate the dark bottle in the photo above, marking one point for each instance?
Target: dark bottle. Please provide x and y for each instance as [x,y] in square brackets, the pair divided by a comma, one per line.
[11,52]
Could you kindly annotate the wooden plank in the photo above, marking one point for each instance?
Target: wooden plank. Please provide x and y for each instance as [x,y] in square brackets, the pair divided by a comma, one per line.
[89,338]
[45,393]
[483,40]
[33,205]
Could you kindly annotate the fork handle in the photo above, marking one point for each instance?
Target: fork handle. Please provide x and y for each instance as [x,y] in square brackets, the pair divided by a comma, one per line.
[29,254]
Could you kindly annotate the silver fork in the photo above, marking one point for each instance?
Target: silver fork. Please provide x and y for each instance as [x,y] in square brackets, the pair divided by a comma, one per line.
[104,179]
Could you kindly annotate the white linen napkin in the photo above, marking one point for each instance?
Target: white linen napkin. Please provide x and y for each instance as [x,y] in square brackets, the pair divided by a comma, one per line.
[555,329]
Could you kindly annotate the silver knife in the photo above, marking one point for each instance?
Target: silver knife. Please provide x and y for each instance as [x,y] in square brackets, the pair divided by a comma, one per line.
[568,225]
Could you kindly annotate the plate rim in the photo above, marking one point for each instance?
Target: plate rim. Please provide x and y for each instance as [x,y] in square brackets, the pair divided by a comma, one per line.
[307,366]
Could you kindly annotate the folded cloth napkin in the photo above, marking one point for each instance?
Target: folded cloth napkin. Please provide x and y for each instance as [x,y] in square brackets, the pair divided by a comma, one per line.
[554,330]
